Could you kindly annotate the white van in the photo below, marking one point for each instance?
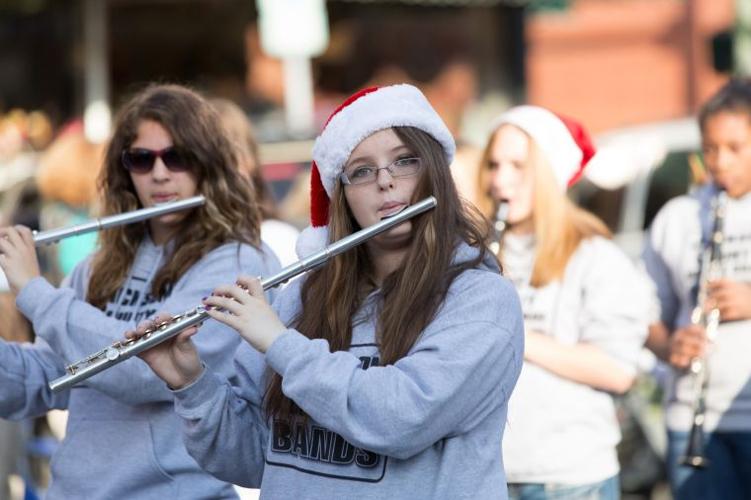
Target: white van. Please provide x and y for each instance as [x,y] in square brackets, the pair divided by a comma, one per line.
[638,169]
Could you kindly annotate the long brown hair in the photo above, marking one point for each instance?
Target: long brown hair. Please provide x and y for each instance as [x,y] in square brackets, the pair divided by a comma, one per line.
[229,214]
[412,294]
[559,225]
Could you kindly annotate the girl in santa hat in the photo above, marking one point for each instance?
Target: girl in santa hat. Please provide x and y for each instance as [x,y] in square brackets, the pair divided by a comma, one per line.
[389,369]
[585,310]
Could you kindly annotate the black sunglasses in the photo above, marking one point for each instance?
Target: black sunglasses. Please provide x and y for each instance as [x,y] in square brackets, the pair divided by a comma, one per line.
[141,160]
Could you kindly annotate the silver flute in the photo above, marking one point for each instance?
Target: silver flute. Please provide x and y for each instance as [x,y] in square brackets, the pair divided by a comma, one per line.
[55,235]
[127,348]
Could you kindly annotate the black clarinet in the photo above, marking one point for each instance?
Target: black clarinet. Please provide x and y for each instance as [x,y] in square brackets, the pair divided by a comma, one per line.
[711,269]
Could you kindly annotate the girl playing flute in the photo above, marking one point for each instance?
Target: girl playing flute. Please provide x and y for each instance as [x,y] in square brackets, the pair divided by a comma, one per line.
[123,438]
[389,369]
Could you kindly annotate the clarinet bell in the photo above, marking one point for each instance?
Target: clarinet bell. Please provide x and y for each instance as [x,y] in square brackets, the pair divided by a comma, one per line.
[694,456]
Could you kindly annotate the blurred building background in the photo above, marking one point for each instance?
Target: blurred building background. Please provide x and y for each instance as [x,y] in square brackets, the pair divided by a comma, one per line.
[634,71]
[624,62]
[613,62]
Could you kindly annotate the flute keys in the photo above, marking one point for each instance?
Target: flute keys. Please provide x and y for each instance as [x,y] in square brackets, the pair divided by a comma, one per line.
[112,354]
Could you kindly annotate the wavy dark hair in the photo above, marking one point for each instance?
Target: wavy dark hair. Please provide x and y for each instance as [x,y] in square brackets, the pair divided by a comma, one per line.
[412,294]
[231,212]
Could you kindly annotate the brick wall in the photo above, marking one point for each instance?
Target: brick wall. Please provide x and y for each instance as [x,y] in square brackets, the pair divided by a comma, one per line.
[614,63]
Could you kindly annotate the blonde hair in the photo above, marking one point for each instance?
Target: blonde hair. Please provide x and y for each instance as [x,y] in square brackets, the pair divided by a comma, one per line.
[559,225]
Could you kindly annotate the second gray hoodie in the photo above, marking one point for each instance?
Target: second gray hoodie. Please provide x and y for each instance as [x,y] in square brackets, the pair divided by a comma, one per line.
[427,427]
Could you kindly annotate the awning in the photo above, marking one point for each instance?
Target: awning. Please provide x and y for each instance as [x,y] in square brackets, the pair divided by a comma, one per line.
[445,3]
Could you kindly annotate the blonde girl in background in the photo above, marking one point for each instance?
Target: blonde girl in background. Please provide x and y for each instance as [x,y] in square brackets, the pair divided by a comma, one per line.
[584,309]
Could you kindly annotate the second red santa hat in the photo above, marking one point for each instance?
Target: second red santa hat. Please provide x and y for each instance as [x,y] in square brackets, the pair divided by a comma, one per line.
[564,141]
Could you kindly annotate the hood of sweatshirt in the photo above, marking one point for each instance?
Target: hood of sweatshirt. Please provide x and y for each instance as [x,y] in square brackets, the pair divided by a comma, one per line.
[465,253]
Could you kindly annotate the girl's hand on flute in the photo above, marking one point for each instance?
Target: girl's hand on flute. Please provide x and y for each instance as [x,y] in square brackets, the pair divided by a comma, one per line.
[176,361]
[18,256]
[243,307]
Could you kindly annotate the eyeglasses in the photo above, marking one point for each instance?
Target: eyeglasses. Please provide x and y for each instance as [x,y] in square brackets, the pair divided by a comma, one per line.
[365,174]
[141,160]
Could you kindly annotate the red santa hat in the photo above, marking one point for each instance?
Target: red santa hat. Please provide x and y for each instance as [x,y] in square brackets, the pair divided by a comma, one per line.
[362,114]
[565,143]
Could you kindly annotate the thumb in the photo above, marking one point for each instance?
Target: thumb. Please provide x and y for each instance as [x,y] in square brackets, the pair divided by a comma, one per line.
[184,341]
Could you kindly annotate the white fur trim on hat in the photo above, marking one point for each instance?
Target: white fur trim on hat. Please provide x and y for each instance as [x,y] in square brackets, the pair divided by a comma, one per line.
[395,106]
[311,240]
[550,134]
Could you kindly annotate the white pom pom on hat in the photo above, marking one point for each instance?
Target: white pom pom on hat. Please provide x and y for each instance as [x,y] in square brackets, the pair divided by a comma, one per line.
[362,114]
[564,141]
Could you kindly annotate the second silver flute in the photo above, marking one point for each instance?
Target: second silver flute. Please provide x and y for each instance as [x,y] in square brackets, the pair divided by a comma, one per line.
[55,235]
[125,349]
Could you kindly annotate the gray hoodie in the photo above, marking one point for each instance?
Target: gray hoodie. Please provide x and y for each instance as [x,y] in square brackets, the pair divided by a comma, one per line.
[123,438]
[429,426]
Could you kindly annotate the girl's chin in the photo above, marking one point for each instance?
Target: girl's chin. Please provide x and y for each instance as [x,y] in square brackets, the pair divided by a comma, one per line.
[395,238]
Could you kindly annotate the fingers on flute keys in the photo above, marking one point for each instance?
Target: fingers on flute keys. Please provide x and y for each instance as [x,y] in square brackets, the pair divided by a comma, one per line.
[226,300]
[17,236]
[251,285]
[27,236]
[6,239]
[230,297]
[149,325]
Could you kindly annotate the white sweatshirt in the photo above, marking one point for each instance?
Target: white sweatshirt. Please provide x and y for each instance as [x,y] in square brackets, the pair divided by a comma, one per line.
[560,431]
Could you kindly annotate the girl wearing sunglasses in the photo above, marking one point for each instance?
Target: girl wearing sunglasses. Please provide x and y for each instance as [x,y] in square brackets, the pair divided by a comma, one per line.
[585,310]
[389,369]
[123,438]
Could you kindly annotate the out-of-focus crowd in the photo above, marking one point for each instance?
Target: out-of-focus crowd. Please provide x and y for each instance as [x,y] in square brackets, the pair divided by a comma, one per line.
[47,179]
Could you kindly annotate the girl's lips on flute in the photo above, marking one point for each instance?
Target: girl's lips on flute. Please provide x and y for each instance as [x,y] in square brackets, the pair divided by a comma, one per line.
[397,211]
[160,198]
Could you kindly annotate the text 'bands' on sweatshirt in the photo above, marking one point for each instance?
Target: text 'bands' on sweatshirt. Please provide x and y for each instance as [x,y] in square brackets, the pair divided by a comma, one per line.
[427,427]
[123,439]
